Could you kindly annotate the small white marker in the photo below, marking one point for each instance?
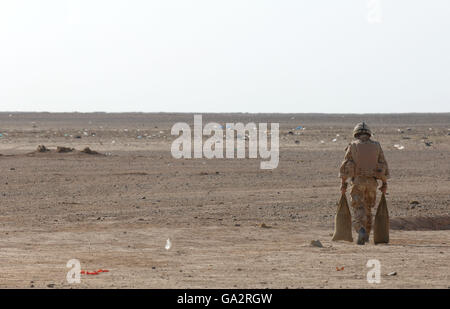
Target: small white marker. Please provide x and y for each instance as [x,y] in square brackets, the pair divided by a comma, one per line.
[168,244]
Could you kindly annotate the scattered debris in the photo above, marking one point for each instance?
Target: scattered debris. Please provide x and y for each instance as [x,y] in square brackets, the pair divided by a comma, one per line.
[95,272]
[399,147]
[394,273]
[334,140]
[339,268]
[316,243]
[428,144]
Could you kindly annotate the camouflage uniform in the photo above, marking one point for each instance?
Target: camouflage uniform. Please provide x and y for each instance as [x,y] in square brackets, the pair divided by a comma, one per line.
[363,163]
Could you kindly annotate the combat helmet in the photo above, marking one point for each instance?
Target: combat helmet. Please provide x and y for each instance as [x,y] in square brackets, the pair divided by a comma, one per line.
[361,128]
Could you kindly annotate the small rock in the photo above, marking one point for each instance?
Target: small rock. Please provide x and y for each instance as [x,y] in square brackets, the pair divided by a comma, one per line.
[61,149]
[89,151]
[51,285]
[414,203]
[42,148]
[316,243]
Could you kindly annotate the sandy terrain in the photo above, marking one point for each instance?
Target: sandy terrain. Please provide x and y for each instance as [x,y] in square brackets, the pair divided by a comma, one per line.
[116,210]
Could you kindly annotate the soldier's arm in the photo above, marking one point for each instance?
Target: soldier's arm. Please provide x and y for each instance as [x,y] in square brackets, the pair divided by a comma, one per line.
[342,174]
[382,160]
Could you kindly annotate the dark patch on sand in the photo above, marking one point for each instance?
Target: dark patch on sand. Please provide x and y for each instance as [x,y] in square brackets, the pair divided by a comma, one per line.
[421,223]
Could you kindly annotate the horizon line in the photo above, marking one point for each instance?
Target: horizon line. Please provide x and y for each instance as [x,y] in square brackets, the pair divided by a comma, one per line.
[197,112]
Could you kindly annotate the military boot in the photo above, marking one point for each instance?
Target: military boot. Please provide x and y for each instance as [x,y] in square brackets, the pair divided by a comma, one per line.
[362,236]
[366,239]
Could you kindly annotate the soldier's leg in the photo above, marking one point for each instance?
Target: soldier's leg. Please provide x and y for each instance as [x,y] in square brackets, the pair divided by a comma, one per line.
[357,202]
[370,196]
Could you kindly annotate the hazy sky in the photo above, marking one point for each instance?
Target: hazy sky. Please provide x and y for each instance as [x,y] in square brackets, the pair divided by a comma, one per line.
[227,55]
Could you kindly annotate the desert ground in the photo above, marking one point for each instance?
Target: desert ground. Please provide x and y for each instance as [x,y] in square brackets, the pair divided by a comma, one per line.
[230,223]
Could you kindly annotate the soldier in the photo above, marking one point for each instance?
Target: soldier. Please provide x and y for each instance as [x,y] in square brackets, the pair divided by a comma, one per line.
[364,164]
